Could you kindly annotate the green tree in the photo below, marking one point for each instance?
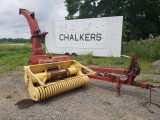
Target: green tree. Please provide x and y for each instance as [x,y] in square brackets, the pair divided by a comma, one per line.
[141,17]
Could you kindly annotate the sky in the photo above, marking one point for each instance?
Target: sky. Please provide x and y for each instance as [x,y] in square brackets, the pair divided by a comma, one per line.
[13,25]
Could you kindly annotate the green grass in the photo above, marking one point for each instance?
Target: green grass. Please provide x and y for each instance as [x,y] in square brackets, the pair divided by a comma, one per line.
[148,80]
[14,55]
[145,65]
[102,62]
[148,50]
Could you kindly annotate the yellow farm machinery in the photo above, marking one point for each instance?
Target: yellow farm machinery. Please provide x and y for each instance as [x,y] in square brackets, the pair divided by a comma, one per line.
[47,76]
[46,80]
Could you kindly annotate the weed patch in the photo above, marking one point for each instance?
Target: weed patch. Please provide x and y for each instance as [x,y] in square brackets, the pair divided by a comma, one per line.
[146,49]
[14,55]
[148,80]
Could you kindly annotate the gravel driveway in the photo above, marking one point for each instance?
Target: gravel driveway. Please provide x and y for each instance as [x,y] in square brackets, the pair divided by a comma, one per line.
[95,101]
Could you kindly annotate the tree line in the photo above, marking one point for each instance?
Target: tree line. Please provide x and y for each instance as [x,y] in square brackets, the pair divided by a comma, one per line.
[18,40]
[15,40]
[141,18]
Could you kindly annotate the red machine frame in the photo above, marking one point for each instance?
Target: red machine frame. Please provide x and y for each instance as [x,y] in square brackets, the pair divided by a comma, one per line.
[121,76]
[105,74]
[37,54]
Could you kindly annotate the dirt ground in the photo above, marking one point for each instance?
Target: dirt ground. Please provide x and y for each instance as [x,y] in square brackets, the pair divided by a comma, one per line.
[95,101]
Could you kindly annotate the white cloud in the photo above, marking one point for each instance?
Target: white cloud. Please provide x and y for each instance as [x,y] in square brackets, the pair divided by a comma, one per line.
[14,26]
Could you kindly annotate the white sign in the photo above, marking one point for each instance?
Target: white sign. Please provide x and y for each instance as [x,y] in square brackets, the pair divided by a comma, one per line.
[80,34]
[99,36]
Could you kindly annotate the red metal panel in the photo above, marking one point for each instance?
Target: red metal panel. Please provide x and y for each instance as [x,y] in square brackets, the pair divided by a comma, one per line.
[105,78]
[38,55]
[35,31]
[39,59]
[108,70]
[30,16]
